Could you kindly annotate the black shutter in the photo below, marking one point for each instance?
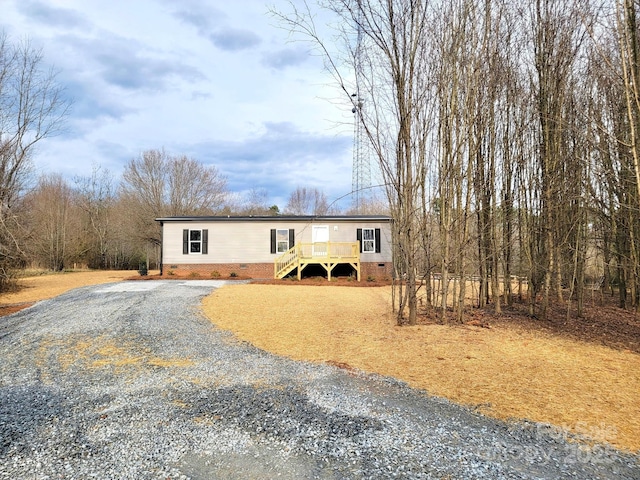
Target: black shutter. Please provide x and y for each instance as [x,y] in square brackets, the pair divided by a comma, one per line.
[273,240]
[377,234]
[359,237]
[292,237]
[205,242]
[185,241]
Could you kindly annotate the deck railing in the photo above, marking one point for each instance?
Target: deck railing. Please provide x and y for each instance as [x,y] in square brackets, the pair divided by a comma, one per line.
[329,250]
[286,262]
[325,253]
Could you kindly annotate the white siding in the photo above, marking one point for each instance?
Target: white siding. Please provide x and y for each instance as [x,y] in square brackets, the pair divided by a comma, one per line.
[250,241]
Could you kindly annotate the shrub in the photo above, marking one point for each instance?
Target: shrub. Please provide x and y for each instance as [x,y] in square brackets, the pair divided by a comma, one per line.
[215,274]
[194,275]
[233,274]
[142,270]
[371,278]
[170,273]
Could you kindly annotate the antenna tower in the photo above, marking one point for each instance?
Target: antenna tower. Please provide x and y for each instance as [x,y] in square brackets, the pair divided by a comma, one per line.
[361,172]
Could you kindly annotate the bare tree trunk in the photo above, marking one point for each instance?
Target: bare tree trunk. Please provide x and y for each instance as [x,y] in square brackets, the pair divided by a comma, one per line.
[32,108]
[630,53]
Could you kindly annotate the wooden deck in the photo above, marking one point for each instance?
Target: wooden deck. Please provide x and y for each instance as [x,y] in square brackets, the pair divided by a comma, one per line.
[326,254]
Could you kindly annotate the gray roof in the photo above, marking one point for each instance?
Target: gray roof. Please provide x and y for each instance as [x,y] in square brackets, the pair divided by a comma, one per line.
[280,218]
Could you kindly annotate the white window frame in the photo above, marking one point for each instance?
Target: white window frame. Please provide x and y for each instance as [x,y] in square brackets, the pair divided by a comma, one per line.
[195,242]
[282,241]
[369,244]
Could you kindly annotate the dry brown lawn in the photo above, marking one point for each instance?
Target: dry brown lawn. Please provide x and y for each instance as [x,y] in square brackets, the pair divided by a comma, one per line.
[505,371]
[41,287]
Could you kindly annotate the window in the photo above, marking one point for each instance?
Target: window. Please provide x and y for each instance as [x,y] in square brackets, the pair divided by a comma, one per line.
[282,240]
[195,241]
[368,240]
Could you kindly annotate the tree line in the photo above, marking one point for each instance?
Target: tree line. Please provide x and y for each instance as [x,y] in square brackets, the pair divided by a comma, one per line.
[507,134]
[97,221]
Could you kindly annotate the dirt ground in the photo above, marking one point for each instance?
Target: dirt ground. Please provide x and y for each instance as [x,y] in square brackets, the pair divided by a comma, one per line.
[511,368]
[582,375]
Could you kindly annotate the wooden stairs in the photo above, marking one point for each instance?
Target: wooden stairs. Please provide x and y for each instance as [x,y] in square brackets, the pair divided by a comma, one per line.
[326,254]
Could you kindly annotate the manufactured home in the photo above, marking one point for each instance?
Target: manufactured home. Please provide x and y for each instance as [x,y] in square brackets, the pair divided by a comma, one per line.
[274,247]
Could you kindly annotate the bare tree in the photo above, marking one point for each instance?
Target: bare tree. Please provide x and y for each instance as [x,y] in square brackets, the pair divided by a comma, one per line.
[251,203]
[96,197]
[125,250]
[50,222]
[386,45]
[504,149]
[304,201]
[629,54]
[194,188]
[629,49]
[615,116]
[558,31]
[255,203]
[371,205]
[32,108]
[157,184]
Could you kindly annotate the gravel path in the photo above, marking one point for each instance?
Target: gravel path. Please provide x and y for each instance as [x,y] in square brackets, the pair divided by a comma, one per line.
[129,380]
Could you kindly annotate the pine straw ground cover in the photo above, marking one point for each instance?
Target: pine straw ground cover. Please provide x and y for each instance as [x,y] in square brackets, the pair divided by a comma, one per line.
[507,371]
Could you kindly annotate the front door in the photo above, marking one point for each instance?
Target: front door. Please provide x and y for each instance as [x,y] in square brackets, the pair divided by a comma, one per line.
[320,238]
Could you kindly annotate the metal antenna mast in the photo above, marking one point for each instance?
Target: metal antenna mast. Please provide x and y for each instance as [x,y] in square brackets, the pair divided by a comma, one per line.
[361,172]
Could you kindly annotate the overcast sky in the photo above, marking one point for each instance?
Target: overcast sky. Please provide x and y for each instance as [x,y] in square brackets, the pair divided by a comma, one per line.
[215,80]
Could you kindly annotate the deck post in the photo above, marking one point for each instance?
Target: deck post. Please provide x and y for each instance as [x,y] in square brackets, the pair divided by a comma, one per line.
[328,257]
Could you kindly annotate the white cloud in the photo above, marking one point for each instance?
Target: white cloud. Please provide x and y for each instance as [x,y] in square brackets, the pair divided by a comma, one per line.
[234,39]
[286,57]
[44,13]
[215,81]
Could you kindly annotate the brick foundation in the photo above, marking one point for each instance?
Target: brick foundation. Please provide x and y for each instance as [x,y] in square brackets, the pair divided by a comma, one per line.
[220,270]
[379,271]
[264,270]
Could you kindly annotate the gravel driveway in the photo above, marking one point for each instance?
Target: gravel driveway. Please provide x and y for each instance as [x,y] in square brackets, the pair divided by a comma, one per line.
[129,380]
